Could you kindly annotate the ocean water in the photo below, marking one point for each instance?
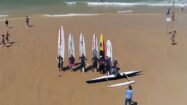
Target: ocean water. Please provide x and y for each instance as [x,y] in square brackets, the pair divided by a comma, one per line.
[60,7]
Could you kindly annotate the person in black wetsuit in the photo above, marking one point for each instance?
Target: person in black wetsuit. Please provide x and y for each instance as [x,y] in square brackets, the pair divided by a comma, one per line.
[60,63]
[94,62]
[71,62]
[101,66]
[108,65]
[82,62]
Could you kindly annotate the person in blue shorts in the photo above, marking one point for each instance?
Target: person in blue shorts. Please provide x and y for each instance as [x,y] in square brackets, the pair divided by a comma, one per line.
[129,94]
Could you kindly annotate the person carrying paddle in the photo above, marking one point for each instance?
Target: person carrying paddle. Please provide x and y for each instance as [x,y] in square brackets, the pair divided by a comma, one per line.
[94,62]
[71,62]
[82,62]
[129,94]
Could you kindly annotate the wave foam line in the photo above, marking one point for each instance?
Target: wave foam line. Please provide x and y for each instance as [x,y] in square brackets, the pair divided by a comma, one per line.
[161,4]
[3,15]
[127,11]
[69,15]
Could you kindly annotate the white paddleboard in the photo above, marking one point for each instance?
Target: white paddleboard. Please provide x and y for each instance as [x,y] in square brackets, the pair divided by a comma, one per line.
[109,49]
[71,48]
[95,48]
[61,43]
[122,84]
[82,49]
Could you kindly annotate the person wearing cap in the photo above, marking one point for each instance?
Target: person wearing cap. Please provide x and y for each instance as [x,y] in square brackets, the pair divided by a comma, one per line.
[129,94]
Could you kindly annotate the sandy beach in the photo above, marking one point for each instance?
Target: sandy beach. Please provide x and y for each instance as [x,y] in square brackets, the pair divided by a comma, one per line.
[29,73]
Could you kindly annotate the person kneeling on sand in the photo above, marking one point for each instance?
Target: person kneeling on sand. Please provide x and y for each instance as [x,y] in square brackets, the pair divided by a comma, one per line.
[82,62]
[71,62]
[129,93]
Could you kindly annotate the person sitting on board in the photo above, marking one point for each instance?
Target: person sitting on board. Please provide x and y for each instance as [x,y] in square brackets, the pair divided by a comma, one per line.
[60,63]
[82,62]
[94,61]
[108,65]
[71,62]
[129,94]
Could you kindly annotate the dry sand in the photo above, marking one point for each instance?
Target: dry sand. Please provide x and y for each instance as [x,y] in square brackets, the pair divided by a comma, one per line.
[29,74]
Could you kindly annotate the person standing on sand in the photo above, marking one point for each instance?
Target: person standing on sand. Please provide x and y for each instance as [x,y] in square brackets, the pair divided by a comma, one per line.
[71,62]
[7,37]
[6,22]
[94,62]
[27,21]
[129,94]
[3,40]
[82,62]
[60,63]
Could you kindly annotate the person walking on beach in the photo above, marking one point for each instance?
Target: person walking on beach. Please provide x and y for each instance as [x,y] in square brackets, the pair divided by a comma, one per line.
[3,40]
[60,63]
[7,37]
[82,62]
[27,21]
[71,62]
[129,94]
[173,37]
[6,23]
[182,6]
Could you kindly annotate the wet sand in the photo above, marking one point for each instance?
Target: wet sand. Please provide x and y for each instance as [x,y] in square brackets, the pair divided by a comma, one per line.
[29,74]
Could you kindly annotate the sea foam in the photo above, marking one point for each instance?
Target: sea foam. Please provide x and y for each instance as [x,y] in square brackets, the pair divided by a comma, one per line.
[124,4]
[69,15]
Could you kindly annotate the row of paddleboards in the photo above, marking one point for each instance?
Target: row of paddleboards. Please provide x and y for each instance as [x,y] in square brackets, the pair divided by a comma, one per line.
[99,49]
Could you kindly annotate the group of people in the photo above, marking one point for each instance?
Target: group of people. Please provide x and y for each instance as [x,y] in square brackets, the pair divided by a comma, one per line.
[101,64]
[5,37]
